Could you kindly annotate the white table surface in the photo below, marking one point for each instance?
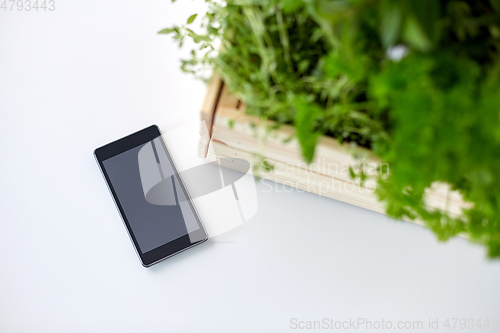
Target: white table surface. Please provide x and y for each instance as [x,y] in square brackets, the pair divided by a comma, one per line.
[93,71]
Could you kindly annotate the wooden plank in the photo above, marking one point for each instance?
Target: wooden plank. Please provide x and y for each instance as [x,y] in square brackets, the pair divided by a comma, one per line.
[207,113]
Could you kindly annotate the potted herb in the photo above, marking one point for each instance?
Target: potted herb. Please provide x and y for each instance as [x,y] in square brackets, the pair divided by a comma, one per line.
[417,82]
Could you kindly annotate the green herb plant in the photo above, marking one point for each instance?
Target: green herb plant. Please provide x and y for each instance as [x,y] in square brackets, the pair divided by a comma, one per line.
[415,81]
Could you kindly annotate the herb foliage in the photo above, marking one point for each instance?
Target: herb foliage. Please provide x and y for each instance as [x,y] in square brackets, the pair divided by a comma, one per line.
[415,81]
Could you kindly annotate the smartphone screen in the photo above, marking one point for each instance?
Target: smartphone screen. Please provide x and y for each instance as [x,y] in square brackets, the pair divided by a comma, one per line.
[132,175]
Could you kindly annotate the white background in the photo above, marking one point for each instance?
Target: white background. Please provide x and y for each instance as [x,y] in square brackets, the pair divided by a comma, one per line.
[93,71]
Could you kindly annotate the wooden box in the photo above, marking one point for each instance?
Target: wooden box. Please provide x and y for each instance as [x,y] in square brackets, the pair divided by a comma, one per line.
[328,175]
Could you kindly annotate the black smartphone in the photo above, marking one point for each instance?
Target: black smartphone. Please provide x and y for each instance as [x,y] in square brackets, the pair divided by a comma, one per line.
[140,174]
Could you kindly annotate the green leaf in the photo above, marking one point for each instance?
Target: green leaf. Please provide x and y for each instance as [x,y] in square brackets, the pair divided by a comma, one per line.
[267,166]
[351,172]
[390,23]
[290,6]
[303,65]
[305,124]
[426,14]
[191,18]
[167,31]
[495,4]
[415,36]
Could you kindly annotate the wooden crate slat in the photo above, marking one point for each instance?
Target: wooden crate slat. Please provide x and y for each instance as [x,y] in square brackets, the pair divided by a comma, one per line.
[207,113]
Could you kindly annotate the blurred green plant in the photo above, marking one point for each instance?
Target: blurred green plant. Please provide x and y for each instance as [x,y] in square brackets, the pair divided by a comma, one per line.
[415,81]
